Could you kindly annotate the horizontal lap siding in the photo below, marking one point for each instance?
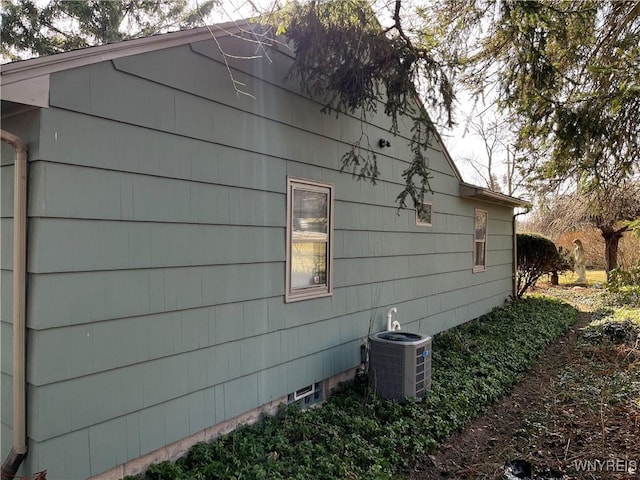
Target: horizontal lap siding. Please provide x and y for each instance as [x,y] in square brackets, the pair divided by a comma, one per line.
[157,254]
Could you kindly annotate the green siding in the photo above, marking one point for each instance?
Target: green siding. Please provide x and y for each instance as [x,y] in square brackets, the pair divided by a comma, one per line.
[7,408]
[113,294]
[157,253]
[66,457]
[6,193]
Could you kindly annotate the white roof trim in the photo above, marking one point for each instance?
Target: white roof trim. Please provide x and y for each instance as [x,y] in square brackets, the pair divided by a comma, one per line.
[32,91]
[447,156]
[475,192]
[35,67]
[443,147]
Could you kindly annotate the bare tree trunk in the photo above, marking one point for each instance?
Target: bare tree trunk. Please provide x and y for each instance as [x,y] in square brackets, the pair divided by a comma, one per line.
[611,240]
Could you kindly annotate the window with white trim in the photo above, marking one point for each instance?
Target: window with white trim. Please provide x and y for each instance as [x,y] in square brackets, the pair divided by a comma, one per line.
[424,215]
[309,240]
[480,241]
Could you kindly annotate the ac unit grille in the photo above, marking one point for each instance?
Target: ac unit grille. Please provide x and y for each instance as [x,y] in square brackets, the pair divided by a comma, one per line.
[420,374]
[398,370]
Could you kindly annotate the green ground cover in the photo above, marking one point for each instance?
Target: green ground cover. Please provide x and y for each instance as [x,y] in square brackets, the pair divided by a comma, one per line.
[357,435]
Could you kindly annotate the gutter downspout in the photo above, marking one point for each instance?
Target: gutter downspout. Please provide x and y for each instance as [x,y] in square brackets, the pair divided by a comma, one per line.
[19,447]
[515,252]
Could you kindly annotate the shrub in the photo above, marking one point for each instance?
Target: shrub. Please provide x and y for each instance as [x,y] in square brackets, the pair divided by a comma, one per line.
[536,256]
[620,324]
[623,287]
[622,278]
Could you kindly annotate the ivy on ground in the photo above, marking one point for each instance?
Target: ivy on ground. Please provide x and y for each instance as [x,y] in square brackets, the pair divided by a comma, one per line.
[355,434]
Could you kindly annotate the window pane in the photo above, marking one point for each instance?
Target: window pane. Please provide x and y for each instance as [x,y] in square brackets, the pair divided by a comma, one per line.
[479,254]
[308,264]
[309,211]
[424,213]
[481,225]
[309,230]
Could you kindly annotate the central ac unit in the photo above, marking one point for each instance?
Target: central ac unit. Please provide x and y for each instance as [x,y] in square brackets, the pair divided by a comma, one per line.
[400,364]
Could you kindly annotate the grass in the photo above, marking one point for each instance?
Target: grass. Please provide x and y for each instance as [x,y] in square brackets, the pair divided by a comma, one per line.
[593,277]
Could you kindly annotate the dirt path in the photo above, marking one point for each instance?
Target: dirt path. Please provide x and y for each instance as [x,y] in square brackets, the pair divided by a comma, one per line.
[563,413]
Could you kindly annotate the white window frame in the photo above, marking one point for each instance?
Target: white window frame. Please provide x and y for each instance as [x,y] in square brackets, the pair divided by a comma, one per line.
[421,223]
[483,267]
[326,289]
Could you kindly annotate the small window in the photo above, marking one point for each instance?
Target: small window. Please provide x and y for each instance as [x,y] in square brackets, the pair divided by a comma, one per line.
[480,242]
[424,214]
[309,240]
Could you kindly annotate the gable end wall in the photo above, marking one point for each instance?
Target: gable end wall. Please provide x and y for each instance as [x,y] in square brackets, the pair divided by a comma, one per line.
[157,254]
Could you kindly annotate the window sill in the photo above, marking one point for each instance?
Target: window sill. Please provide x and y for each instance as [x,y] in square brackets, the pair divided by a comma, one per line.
[297,297]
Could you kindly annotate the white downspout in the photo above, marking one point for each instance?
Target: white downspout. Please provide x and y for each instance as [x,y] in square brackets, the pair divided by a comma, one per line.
[19,447]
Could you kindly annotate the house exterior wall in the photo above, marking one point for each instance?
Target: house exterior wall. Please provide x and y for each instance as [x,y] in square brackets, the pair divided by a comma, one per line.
[157,221]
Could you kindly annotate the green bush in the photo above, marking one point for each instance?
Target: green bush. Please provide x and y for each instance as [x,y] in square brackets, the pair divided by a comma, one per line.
[623,287]
[622,278]
[355,434]
[536,256]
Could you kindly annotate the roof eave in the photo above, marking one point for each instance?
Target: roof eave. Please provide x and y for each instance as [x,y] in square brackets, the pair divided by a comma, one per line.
[475,192]
[27,81]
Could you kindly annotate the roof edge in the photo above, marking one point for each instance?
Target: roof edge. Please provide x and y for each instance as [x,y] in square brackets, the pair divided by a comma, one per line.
[447,155]
[45,65]
[468,190]
[438,137]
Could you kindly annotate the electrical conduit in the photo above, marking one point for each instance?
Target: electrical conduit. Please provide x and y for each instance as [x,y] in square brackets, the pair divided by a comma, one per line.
[19,448]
